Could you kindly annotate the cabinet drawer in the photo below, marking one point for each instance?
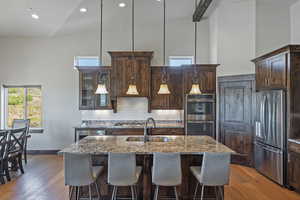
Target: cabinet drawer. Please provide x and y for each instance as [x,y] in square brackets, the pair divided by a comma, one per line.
[125,131]
[167,131]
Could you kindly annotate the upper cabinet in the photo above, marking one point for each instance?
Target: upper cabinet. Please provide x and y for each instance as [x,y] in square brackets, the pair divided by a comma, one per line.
[173,101]
[88,83]
[131,67]
[206,75]
[271,72]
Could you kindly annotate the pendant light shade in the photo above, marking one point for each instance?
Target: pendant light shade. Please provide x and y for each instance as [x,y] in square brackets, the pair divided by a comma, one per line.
[164,89]
[195,89]
[101,89]
[195,86]
[132,90]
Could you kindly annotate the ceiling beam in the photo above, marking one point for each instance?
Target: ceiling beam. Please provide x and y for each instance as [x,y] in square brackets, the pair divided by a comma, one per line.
[201,9]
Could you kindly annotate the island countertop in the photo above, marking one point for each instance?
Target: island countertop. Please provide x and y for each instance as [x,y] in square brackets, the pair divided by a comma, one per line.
[99,145]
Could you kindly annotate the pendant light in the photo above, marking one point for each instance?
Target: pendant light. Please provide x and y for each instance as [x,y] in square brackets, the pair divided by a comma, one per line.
[164,89]
[101,89]
[195,85]
[132,89]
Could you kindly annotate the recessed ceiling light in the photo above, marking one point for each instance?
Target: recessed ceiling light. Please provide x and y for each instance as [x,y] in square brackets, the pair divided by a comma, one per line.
[83,10]
[34,16]
[122,5]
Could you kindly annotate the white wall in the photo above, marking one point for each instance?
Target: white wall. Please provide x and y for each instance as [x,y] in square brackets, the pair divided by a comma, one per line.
[295,23]
[49,62]
[232,28]
[273,25]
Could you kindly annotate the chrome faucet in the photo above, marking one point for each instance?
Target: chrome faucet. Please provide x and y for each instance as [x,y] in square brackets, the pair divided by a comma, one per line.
[150,119]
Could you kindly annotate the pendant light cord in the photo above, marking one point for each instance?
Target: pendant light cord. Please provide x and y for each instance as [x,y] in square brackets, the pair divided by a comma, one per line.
[196,40]
[132,25]
[164,37]
[101,34]
[196,34]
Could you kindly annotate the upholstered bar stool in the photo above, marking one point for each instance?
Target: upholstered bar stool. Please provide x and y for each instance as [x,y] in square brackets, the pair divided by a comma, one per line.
[166,171]
[79,172]
[215,172]
[122,171]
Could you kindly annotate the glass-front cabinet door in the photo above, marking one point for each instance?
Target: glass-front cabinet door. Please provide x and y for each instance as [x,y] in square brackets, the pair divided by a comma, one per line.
[87,90]
[89,81]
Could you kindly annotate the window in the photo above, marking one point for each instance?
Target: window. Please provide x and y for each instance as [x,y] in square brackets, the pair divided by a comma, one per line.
[177,61]
[23,102]
[86,61]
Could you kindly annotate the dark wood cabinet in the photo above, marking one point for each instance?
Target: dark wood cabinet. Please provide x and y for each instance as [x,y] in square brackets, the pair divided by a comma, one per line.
[237,114]
[173,101]
[206,75]
[271,72]
[128,67]
[294,165]
[88,83]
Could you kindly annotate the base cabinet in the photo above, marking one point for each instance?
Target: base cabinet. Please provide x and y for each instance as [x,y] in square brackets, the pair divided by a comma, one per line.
[294,170]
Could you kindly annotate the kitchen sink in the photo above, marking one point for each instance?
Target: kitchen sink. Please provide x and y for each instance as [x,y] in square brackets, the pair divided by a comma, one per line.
[149,139]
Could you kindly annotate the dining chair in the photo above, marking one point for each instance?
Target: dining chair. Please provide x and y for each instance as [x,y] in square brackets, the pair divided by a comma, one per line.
[22,123]
[79,172]
[214,172]
[16,142]
[3,155]
[166,171]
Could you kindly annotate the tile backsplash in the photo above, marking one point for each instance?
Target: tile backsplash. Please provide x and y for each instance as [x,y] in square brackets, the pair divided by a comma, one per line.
[132,109]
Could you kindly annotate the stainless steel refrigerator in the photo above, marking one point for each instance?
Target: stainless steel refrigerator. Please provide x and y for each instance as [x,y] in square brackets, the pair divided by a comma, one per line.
[270,136]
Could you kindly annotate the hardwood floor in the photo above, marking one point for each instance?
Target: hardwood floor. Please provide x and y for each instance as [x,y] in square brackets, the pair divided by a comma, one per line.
[43,180]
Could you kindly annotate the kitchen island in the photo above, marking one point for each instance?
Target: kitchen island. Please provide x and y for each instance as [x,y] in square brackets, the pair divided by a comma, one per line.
[190,147]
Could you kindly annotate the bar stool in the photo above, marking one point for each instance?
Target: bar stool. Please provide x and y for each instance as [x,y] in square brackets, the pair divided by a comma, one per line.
[215,172]
[166,171]
[122,171]
[79,172]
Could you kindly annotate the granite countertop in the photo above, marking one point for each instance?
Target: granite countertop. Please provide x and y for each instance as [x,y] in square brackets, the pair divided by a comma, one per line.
[139,124]
[98,145]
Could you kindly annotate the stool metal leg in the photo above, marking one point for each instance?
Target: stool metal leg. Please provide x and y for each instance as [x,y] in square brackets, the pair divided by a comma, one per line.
[113,193]
[156,193]
[221,192]
[116,193]
[78,193]
[176,195]
[90,192]
[98,191]
[202,192]
[196,189]
[132,193]
[71,192]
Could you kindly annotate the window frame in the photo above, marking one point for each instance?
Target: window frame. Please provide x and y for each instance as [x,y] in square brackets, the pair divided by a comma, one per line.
[77,58]
[5,106]
[192,58]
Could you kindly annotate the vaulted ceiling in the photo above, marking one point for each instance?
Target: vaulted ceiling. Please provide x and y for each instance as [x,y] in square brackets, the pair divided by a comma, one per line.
[63,17]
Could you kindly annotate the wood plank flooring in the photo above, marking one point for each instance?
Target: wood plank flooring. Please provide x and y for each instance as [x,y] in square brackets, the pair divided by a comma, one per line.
[43,180]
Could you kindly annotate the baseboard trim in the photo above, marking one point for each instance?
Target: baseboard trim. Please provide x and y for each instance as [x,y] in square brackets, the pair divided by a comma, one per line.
[46,152]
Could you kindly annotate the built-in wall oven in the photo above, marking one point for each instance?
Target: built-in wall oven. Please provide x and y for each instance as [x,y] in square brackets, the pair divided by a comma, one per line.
[200,114]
